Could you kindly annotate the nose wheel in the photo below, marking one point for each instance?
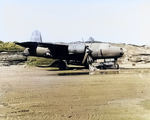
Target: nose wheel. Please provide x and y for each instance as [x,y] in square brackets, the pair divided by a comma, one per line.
[116,66]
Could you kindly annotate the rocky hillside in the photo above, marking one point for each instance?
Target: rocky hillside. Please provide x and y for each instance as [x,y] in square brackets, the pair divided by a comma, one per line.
[134,54]
[10,54]
[11,58]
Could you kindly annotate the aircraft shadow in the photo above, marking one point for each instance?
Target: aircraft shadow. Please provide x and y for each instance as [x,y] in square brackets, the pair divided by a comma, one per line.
[49,68]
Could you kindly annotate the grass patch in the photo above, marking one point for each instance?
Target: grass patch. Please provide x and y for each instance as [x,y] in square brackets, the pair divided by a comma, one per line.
[10,47]
[39,61]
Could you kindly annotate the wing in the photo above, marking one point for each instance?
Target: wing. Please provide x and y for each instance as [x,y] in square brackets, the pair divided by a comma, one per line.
[56,49]
[28,44]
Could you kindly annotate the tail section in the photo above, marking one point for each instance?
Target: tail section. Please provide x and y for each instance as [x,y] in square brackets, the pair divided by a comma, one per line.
[36,36]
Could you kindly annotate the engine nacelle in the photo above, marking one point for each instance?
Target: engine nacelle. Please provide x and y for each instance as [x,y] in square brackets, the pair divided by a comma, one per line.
[76,48]
[38,51]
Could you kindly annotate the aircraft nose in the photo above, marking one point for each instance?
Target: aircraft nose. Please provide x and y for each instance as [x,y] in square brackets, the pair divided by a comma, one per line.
[121,52]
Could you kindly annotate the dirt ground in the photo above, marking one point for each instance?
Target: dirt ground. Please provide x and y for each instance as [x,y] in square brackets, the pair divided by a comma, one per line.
[49,94]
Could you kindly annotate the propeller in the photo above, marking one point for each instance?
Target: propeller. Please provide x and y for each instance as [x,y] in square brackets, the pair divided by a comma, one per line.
[88,50]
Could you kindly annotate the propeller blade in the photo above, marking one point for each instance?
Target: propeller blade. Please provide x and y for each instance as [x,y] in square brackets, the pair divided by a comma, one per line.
[85,57]
[88,51]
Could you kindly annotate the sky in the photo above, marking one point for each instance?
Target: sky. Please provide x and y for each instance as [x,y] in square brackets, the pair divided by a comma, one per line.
[117,21]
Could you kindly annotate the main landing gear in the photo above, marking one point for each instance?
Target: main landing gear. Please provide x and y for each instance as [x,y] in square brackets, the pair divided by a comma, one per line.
[116,65]
[62,65]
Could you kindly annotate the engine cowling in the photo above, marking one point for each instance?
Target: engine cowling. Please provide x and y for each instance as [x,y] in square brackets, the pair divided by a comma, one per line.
[38,51]
[76,48]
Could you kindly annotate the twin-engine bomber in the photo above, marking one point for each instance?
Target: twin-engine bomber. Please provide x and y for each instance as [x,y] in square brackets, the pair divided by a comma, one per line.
[78,53]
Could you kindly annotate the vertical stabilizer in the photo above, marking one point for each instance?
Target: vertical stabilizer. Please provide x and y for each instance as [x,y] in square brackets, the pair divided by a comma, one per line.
[36,36]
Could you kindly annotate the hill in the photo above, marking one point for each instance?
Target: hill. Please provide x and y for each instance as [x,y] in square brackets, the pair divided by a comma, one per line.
[134,54]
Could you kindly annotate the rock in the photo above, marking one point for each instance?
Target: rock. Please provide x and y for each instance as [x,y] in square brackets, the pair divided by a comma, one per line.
[11,58]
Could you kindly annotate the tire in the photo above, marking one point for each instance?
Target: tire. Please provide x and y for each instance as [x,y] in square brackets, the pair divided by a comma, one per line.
[116,66]
[62,65]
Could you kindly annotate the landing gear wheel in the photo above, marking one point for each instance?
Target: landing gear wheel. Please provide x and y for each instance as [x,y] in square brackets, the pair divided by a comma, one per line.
[116,66]
[104,67]
[62,65]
